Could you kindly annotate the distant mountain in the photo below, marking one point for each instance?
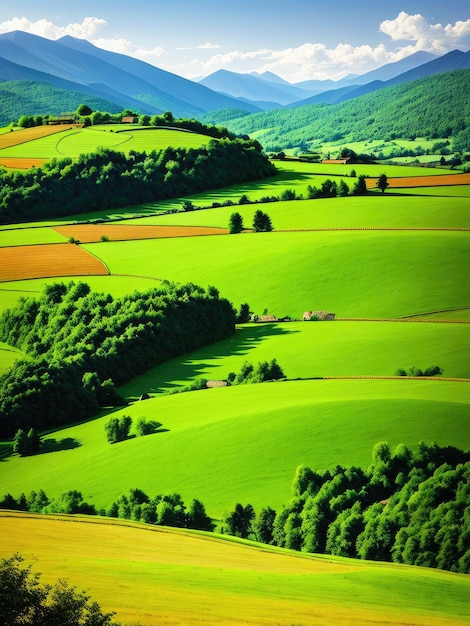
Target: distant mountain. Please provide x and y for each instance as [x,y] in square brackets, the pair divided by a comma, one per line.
[115,75]
[257,87]
[451,61]
[253,87]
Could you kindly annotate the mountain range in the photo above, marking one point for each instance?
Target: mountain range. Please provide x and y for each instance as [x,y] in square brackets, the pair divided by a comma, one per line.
[38,75]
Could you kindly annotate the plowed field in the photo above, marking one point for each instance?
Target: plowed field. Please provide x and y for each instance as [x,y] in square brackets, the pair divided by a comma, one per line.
[28,134]
[20,163]
[89,233]
[424,181]
[22,262]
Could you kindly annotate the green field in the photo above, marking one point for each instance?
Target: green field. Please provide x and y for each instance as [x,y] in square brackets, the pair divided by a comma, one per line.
[121,137]
[211,445]
[166,577]
[354,274]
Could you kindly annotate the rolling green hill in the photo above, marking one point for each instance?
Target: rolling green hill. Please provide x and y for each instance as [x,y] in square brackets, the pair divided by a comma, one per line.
[211,448]
[435,106]
[29,97]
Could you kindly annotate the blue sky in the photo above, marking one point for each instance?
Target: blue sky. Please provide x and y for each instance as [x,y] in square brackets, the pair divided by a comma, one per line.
[296,39]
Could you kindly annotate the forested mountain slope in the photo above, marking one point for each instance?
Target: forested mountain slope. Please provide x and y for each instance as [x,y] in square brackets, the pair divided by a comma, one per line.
[435,106]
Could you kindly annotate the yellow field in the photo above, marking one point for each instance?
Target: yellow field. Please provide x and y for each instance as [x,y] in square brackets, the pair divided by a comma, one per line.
[44,261]
[423,181]
[28,134]
[159,576]
[88,233]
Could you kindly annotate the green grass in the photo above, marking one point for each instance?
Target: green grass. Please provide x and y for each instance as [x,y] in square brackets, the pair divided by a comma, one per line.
[333,349]
[28,236]
[373,211]
[78,141]
[161,576]
[354,274]
[211,448]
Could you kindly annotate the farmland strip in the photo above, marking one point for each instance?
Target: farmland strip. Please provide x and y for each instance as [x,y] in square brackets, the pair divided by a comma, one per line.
[48,260]
[90,233]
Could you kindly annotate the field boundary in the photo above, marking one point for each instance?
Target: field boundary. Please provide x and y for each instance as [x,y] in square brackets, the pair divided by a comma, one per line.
[408,319]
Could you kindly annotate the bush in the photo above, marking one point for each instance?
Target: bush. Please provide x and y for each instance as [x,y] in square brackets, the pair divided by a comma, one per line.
[118,429]
[144,427]
[24,600]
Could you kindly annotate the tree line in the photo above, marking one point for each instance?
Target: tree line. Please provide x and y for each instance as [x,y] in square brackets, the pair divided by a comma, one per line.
[410,506]
[80,345]
[107,179]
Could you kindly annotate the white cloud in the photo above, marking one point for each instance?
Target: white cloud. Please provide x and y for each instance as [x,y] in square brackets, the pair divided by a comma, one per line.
[44,28]
[208,46]
[431,37]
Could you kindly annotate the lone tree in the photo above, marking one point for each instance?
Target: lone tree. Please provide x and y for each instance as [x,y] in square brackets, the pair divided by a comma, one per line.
[235,224]
[360,188]
[118,429]
[84,109]
[262,222]
[382,182]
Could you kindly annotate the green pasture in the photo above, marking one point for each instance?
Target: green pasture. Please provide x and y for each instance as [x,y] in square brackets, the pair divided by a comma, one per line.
[8,356]
[353,274]
[372,211]
[316,349]
[165,576]
[28,236]
[75,141]
[442,194]
[243,443]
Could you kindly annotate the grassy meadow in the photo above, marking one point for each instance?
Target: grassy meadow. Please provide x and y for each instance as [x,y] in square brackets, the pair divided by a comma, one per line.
[402,253]
[171,577]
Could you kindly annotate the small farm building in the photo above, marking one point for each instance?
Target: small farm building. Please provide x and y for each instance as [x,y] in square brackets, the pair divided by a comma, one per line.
[322,316]
[129,119]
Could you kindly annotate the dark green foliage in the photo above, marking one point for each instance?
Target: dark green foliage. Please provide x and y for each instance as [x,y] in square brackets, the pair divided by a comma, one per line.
[263,372]
[382,182]
[410,506]
[106,179]
[146,427]
[25,600]
[26,444]
[235,224]
[81,344]
[432,370]
[329,189]
[428,107]
[197,517]
[263,526]
[117,429]
[261,222]
[238,522]
[359,188]
[244,315]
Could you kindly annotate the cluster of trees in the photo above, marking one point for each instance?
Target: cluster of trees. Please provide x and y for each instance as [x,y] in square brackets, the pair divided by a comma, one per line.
[80,345]
[432,370]
[263,372]
[163,510]
[107,179]
[26,444]
[330,188]
[25,600]
[261,223]
[410,506]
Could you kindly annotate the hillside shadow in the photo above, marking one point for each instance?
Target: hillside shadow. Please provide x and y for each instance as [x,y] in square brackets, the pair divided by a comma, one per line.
[185,370]
[56,445]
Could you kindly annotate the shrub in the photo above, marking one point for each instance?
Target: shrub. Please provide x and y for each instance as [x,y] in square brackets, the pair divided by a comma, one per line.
[144,427]
[118,429]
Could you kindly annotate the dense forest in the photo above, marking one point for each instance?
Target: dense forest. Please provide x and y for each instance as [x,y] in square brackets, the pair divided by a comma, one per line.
[106,179]
[80,345]
[434,107]
[410,506]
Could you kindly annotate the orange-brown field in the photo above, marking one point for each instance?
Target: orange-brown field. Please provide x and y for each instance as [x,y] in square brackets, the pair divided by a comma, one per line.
[423,181]
[43,261]
[90,233]
[17,137]
[21,163]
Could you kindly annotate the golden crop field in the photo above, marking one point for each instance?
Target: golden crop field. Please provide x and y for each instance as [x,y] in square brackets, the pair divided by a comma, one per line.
[43,261]
[89,233]
[21,163]
[36,132]
[423,181]
[155,575]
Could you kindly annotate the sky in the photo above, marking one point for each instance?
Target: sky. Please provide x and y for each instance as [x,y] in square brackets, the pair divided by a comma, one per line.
[295,39]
